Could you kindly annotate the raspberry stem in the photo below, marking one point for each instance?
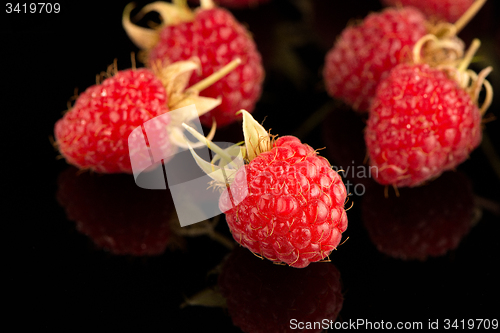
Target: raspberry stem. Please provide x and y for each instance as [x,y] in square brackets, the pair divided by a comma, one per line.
[207,4]
[468,15]
[212,146]
[207,82]
[180,3]
[476,43]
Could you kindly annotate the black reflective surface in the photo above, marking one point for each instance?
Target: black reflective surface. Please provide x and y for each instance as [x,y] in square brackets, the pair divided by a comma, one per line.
[95,251]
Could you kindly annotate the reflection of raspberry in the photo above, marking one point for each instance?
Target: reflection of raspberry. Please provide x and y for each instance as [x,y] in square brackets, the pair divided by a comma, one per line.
[293,211]
[364,54]
[421,123]
[115,213]
[94,133]
[216,38]
[448,10]
[422,222]
[262,297]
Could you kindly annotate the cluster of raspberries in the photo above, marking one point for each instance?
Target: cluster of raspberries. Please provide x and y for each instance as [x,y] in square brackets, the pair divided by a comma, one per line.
[423,113]
[402,67]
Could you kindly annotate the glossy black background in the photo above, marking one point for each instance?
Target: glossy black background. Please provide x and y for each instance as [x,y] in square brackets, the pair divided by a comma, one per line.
[55,275]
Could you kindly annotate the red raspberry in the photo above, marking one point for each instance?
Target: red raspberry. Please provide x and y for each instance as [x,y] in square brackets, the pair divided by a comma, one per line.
[286,204]
[216,38]
[293,209]
[422,222]
[421,123]
[99,132]
[115,213]
[447,10]
[94,133]
[262,297]
[364,54]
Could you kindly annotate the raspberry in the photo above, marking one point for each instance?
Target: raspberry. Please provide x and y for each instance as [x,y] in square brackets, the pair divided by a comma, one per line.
[421,123]
[426,221]
[94,133]
[364,54]
[286,204]
[447,10]
[262,297]
[294,209]
[216,38]
[115,213]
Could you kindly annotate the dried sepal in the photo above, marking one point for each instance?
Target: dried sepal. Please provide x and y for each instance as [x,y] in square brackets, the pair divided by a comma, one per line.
[233,151]
[442,47]
[224,165]
[143,38]
[455,62]
[203,104]
[175,77]
[257,139]
[170,14]
[212,146]
[220,174]
[470,81]
[179,139]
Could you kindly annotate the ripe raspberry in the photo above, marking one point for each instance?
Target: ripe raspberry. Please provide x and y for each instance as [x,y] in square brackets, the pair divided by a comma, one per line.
[115,213]
[216,38]
[426,221]
[94,133]
[98,132]
[262,297]
[421,123]
[447,10]
[293,211]
[364,54]
[286,204]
